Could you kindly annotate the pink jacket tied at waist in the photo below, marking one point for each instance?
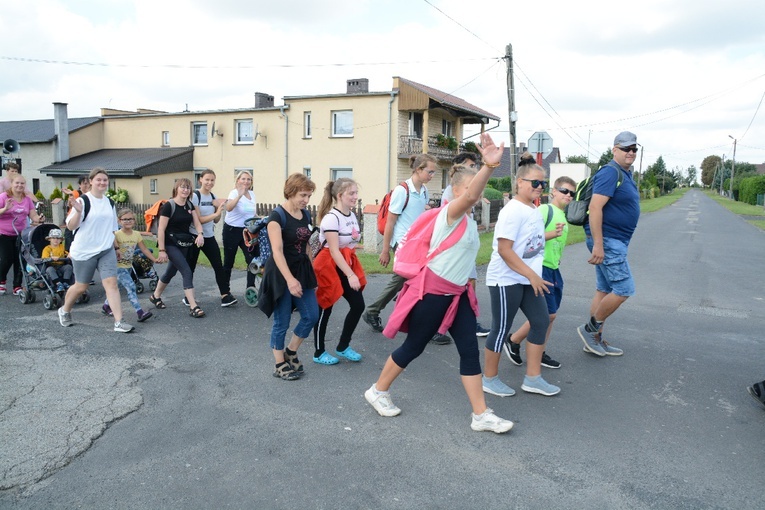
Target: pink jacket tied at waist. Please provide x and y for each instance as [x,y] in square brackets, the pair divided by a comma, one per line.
[427,282]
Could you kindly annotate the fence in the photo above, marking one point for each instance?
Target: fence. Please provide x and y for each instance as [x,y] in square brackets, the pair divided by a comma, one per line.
[264,210]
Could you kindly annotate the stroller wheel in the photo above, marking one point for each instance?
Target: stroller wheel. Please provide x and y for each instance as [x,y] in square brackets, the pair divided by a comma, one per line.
[24,296]
[254,267]
[138,287]
[153,285]
[49,301]
[57,301]
[251,296]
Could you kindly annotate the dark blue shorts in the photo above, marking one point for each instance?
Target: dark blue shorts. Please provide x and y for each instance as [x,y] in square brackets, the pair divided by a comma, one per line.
[556,292]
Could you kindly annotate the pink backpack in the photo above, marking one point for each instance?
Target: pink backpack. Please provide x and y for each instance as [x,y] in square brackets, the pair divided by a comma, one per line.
[412,252]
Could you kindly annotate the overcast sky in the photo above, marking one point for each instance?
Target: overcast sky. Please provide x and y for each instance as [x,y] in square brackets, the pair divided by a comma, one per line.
[683,74]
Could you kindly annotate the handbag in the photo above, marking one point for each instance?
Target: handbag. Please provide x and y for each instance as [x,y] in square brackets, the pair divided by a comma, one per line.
[182,239]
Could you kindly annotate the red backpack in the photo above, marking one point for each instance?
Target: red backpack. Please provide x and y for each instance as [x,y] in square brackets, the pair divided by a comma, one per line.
[382,213]
[412,251]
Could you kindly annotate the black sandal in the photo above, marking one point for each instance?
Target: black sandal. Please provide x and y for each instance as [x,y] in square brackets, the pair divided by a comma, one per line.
[157,302]
[285,372]
[196,312]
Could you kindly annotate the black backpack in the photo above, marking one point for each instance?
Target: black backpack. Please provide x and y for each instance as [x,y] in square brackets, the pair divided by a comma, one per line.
[578,210]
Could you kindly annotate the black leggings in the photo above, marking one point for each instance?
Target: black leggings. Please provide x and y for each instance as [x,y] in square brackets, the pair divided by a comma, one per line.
[356,301]
[424,321]
[233,240]
[177,262]
[505,302]
[9,256]
[212,252]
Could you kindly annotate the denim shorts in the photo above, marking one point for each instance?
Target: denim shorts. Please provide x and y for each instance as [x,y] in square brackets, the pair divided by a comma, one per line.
[556,291]
[613,275]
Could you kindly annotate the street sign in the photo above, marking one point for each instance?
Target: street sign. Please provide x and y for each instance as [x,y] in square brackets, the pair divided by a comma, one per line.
[541,142]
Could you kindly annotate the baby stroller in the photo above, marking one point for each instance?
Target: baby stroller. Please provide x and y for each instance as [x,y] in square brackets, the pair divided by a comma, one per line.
[31,242]
[142,269]
[256,239]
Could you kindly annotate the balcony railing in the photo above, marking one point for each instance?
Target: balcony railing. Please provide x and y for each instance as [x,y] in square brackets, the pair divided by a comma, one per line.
[408,145]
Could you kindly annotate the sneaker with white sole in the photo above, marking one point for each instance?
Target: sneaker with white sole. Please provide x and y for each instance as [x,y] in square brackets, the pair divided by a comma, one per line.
[185,302]
[491,422]
[480,330]
[3,288]
[540,386]
[227,300]
[609,349]
[381,401]
[513,352]
[494,386]
[548,362]
[591,343]
[65,318]
[123,327]
[374,321]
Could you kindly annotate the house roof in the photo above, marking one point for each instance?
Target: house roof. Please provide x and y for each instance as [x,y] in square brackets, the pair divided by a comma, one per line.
[127,162]
[39,131]
[448,100]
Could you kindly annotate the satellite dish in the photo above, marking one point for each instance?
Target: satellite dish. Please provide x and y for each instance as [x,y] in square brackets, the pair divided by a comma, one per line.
[10,146]
[213,129]
[257,133]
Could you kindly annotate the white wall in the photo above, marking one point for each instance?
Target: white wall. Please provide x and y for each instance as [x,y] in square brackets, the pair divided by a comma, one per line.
[577,171]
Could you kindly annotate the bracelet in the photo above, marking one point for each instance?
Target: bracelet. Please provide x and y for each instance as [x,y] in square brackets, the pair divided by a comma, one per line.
[495,165]
[161,251]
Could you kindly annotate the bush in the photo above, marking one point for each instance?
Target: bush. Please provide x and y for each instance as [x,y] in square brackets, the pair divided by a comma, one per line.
[750,187]
[39,195]
[492,194]
[119,195]
[56,194]
[470,147]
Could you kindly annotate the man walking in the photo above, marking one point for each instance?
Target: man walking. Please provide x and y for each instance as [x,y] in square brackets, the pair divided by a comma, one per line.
[614,213]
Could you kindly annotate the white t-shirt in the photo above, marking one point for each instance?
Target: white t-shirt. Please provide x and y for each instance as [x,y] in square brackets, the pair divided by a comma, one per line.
[523,225]
[347,228]
[96,233]
[204,207]
[244,210]
[458,262]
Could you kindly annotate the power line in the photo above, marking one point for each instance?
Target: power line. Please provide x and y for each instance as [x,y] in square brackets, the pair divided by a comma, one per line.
[753,116]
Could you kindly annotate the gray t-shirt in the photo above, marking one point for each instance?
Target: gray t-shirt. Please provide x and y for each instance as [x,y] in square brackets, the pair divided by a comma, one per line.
[204,207]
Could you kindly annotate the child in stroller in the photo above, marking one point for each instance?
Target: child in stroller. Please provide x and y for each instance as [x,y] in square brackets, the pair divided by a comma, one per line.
[59,269]
[143,268]
[33,243]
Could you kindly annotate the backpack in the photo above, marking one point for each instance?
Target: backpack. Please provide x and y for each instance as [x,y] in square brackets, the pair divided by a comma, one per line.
[151,216]
[412,252]
[199,196]
[256,238]
[382,213]
[549,216]
[86,210]
[578,210]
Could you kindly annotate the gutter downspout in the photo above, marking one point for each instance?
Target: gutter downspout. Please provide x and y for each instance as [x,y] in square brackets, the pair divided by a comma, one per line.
[286,141]
[390,136]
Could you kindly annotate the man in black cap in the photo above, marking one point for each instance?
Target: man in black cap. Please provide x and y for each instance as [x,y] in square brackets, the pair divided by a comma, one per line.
[614,213]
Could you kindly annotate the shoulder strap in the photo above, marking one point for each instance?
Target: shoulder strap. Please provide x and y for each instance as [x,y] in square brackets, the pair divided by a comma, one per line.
[282,214]
[450,240]
[85,206]
[549,216]
[199,196]
[406,187]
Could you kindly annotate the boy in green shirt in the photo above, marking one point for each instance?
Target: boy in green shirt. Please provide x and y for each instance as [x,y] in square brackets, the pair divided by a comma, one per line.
[556,232]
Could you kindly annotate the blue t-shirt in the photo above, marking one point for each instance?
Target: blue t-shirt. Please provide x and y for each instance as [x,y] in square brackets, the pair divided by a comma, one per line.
[622,211]
[416,205]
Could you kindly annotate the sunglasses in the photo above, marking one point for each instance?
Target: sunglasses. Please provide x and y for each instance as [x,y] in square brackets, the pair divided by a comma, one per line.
[628,149]
[536,183]
[565,191]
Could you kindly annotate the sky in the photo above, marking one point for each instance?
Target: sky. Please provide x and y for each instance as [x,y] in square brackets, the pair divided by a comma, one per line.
[684,75]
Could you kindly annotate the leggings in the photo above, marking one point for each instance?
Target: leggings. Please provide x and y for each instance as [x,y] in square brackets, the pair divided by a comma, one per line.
[177,262]
[505,302]
[125,280]
[424,320]
[212,252]
[9,256]
[233,240]
[356,301]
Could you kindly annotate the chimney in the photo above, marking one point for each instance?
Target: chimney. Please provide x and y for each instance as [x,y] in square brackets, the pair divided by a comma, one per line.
[61,130]
[358,86]
[263,100]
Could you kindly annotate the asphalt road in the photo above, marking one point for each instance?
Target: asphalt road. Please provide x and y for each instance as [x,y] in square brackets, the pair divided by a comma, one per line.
[184,413]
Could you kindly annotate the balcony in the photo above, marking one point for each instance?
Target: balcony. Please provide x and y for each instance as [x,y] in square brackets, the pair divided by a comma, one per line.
[439,146]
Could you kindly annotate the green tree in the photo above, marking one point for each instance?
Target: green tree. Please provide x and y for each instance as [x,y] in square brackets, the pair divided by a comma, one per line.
[709,166]
[582,159]
[691,174]
[607,156]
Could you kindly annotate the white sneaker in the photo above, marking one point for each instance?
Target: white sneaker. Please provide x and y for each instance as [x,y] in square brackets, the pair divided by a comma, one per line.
[122,327]
[65,318]
[490,421]
[381,402]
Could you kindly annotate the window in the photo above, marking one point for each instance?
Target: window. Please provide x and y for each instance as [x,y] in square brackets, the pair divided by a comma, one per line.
[307,171]
[415,124]
[199,133]
[153,186]
[341,172]
[244,132]
[165,138]
[447,127]
[35,185]
[342,123]
[306,124]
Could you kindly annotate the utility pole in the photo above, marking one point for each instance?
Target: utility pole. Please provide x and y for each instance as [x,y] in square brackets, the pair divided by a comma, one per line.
[733,168]
[513,115]
[722,172]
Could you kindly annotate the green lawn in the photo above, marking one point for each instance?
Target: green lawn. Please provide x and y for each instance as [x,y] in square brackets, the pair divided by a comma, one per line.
[239,263]
[737,207]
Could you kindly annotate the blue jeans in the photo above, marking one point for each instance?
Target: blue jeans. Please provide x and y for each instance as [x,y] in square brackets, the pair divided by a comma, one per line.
[308,308]
[613,275]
